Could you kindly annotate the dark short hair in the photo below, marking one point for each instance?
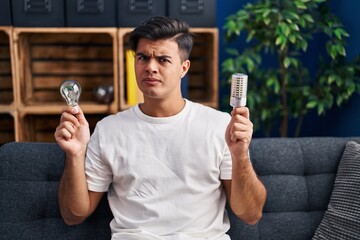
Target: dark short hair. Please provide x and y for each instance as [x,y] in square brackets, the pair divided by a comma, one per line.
[158,28]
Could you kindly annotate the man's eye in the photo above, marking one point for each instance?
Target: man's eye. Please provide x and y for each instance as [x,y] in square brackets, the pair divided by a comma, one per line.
[164,60]
[142,58]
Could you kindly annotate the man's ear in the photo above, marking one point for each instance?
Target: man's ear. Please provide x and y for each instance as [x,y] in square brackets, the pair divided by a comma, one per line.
[185,67]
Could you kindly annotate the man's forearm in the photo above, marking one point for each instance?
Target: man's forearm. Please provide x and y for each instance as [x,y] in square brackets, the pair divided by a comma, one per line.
[248,194]
[73,194]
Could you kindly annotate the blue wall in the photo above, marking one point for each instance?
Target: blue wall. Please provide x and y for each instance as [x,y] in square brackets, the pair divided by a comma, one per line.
[337,122]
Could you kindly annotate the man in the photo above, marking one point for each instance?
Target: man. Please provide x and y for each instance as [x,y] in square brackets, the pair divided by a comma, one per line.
[168,164]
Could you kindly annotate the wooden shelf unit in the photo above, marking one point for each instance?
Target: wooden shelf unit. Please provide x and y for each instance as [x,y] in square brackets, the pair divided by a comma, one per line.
[35,61]
[45,57]
[49,56]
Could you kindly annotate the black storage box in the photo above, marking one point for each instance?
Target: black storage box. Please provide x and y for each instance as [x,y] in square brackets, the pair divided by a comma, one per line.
[38,13]
[197,13]
[5,17]
[90,13]
[131,13]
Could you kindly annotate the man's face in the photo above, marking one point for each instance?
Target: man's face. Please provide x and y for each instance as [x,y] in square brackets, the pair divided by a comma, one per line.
[159,69]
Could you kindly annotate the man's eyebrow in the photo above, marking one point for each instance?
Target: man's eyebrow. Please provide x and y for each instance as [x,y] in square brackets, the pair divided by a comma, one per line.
[140,54]
[164,57]
[159,56]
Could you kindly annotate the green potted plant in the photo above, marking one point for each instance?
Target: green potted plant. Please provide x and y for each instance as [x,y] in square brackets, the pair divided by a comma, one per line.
[282,30]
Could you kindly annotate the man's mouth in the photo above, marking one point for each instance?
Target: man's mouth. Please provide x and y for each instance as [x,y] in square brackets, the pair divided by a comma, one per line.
[151,80]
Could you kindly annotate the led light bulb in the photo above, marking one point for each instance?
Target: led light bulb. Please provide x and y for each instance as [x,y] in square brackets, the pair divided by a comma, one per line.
[238,93]
[70,90]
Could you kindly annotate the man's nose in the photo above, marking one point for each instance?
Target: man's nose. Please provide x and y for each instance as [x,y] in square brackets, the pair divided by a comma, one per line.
[152,66]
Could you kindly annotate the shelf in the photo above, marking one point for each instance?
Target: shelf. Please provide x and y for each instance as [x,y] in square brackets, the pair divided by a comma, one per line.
[44,109]
[47,57]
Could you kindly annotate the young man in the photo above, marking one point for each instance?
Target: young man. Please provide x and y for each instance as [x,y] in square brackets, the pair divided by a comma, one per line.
[168,164]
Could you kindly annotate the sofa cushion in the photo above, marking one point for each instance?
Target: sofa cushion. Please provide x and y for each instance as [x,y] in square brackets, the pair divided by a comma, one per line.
[298,174]
[29,179]
[342,218]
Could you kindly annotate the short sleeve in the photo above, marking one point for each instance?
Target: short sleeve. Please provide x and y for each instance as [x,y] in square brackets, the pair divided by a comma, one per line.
[226,165]
[98,172]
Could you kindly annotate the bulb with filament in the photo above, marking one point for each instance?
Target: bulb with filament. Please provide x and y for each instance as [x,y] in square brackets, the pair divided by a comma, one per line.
[70,90]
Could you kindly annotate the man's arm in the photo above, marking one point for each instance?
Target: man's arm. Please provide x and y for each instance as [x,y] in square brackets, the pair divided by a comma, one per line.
[73,134]
[245,192]
[76,202]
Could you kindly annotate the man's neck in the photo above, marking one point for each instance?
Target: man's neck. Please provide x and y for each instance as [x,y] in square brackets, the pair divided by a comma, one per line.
[161,108]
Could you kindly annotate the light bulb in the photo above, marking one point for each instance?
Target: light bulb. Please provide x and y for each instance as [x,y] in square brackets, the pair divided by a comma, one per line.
[70,90]
[104,93]
[239,84]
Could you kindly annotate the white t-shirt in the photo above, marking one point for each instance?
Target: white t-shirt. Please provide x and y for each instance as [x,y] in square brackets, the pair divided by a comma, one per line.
[163,175]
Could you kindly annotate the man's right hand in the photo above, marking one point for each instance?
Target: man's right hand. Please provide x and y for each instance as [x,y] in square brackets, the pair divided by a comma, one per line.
[73,132]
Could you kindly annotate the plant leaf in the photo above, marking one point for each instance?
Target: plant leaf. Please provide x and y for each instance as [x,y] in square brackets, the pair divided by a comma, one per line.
[287,62]
[308,18]
[300,5]
[279,40]
[312,104]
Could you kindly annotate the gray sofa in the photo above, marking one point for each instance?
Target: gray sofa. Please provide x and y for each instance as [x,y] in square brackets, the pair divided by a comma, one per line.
[299,175]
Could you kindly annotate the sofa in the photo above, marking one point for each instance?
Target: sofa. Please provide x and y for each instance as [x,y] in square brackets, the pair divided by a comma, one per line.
[299,174]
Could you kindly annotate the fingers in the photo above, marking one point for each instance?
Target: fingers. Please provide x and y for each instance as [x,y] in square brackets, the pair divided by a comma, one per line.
[78,113]
[68,117]
[67,127]
[241,127]
[240,132]
[71,119]
[65,131]
[243,111]
[241,115]
[74,115]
